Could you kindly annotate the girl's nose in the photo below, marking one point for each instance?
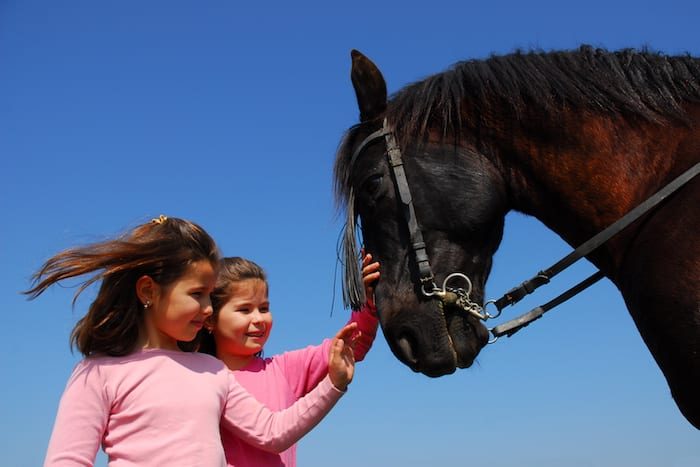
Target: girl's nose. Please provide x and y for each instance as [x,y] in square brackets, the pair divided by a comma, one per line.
[257,316]
[207,308]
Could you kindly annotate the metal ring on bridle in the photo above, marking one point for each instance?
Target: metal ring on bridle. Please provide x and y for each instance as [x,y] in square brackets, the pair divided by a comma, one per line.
[434,291]
[457,274]
[489,315]
[493,338]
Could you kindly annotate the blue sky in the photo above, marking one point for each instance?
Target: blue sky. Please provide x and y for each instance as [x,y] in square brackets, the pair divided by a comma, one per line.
[114,112]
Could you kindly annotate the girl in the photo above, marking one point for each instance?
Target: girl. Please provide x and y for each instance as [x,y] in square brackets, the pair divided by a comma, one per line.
[145,400]
[238,331]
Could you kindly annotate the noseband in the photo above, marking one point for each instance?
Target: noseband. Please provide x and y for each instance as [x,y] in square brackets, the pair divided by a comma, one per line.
[460,296]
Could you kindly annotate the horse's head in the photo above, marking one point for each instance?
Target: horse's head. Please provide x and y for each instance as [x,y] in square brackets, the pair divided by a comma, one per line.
[459,202]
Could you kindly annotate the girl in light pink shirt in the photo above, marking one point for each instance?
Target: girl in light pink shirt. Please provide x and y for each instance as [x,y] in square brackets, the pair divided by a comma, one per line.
[237,332]
[136,393]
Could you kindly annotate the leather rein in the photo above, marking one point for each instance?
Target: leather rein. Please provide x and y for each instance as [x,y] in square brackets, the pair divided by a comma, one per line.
[460,296]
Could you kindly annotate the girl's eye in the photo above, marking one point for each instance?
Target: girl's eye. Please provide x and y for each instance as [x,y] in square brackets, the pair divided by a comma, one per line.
[264,309]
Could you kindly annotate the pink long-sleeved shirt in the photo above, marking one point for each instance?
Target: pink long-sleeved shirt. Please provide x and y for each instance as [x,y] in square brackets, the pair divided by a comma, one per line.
[161,407]
[281,380]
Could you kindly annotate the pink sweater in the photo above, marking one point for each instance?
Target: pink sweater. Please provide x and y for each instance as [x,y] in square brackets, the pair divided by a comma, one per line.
[160,407]
[280,380]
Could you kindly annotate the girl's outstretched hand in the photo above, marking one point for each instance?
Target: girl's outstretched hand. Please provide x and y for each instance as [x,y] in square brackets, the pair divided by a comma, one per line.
[370,275]
[341,364]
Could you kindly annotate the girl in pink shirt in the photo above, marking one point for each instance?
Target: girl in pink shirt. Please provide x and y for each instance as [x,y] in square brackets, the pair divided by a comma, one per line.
[237,332]
[147,402]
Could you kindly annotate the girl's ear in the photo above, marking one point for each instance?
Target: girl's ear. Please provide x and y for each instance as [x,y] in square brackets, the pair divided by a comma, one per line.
[146,290]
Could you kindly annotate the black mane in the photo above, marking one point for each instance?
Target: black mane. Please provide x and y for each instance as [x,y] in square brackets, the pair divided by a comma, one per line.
[641,83]
[645,84]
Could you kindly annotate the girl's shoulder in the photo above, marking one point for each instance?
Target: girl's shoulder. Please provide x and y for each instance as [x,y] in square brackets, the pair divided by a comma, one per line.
[151,357]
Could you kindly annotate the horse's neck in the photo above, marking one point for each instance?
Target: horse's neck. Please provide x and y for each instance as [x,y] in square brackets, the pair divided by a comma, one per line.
[587,175]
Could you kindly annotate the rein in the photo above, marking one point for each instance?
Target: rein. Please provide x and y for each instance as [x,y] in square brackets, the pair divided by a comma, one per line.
[460,296]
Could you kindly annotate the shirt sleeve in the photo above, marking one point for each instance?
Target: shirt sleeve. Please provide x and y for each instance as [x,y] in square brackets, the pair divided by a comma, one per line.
[367,323]
[305,368]
[81,419]
[271,431]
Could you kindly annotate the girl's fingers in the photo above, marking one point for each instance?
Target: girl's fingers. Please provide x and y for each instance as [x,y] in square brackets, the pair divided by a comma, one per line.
[346,333]
[369,278]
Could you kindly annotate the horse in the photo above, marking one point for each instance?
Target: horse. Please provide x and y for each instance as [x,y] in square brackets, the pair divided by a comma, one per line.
[576,138]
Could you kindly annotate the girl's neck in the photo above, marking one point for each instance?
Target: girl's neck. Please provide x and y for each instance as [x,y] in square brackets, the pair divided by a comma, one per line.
[156,341]
[235,362]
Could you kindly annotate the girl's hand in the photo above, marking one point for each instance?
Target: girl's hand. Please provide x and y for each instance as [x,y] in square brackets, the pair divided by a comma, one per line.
[370,275]
[341,363]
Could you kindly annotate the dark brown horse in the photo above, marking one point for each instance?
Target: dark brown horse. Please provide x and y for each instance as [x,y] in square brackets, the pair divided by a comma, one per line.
[574,138]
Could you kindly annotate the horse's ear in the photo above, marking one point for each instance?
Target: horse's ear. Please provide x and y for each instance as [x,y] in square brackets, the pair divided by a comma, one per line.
[370,87]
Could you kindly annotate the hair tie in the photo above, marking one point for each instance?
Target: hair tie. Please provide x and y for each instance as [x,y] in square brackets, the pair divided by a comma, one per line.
[160,219]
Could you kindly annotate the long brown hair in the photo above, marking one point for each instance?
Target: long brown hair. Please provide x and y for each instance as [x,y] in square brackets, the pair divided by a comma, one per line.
[162,249]
[231,270]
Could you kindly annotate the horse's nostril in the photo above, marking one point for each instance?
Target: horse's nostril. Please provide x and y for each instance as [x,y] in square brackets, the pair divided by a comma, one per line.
[407,350]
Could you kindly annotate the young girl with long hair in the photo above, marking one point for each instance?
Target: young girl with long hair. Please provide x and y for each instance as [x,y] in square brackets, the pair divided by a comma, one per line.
[147,402]
[237,332]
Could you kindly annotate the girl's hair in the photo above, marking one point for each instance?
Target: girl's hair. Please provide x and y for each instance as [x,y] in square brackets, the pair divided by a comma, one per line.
[231,270]
[163,249]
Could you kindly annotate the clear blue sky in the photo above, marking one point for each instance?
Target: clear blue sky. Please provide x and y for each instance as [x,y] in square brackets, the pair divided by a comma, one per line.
[114,112]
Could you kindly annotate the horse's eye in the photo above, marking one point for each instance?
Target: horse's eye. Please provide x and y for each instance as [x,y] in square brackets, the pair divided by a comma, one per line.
[372,184]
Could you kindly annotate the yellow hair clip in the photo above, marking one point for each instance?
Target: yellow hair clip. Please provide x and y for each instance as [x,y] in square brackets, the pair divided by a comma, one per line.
[160,219]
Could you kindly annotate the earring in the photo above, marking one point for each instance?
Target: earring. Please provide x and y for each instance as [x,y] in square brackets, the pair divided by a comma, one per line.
[146,305]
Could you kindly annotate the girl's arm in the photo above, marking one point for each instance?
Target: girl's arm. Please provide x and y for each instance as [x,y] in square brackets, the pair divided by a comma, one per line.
[367,323]
[277,431]
[81,419]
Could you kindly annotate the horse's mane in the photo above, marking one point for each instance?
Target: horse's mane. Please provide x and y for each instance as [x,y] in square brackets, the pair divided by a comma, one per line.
[645,84]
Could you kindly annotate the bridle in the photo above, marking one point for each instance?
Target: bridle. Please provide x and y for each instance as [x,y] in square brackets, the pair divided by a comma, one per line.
[460,296]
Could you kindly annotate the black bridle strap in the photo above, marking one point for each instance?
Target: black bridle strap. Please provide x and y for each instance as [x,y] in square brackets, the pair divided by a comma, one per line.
[511,327]
[396,162]
[516,294]
[414,231]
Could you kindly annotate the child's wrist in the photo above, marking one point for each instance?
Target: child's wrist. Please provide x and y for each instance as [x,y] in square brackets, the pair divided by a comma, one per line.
[337,386]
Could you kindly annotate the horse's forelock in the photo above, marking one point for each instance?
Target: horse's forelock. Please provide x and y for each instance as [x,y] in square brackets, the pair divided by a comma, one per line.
[353,288]
[342,170]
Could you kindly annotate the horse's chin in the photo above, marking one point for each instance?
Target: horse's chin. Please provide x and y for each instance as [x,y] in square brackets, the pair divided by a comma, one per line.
[468,336]
[435,343]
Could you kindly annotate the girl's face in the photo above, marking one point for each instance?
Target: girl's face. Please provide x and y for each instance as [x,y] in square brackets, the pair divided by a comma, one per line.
[244,322]
[179,310]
